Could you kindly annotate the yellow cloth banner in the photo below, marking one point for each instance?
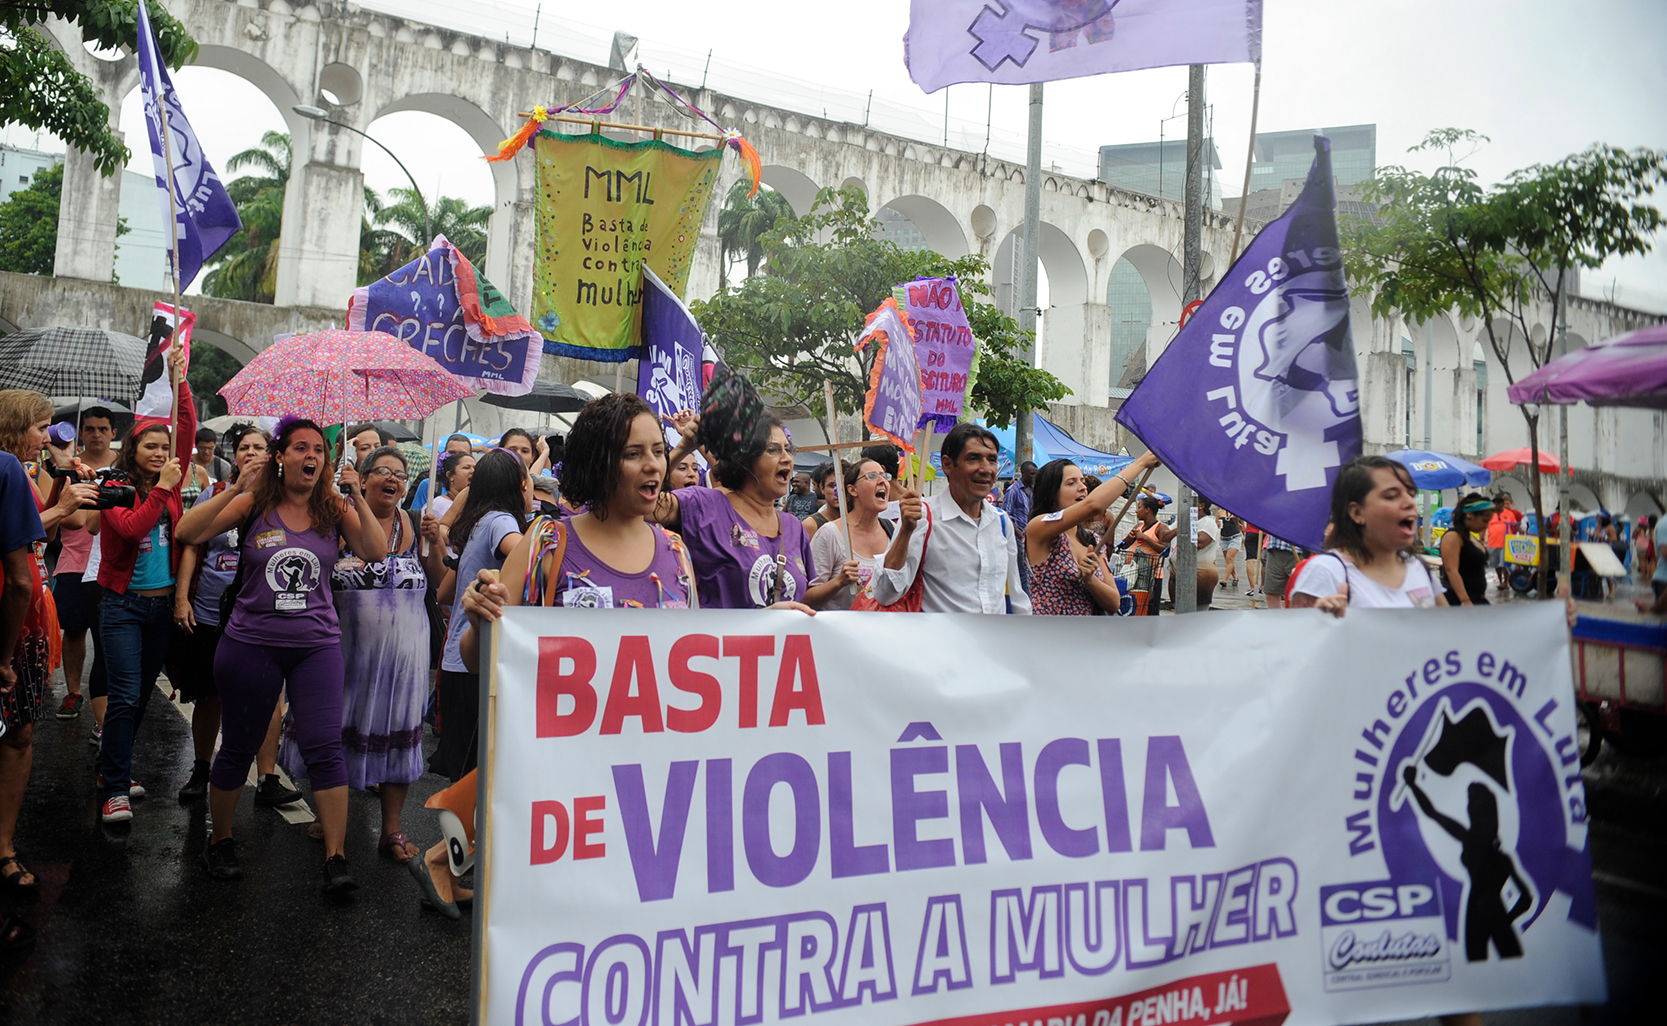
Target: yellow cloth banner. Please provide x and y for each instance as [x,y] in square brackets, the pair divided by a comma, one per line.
[604,209]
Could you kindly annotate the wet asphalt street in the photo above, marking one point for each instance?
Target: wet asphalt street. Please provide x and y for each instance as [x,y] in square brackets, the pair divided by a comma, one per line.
[132,931]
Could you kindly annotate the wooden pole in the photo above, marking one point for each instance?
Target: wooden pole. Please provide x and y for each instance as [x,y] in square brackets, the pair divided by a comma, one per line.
[1249,159]
[1106,540]
[173,252]
[616,126]
[833,436]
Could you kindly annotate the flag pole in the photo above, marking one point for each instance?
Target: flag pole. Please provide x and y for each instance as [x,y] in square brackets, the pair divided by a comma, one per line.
[1106,540]
[173,253]
[1185,552]
[839,464]
[1028,310]
[1249,159]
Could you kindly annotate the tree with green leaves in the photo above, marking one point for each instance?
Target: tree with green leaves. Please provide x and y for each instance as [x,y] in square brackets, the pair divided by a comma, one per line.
[744,221]
[399,232]
[29,224]
[246,267]
[41,90]
[793,326]
[211,368]
[1443,241]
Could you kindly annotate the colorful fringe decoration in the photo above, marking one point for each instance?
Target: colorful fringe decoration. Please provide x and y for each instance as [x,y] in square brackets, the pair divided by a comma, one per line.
[731,138]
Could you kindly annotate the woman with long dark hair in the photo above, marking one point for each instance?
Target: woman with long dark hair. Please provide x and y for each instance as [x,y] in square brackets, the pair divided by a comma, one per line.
[1067,576]
[608,556]
[382,607]
[1464,558]
[206,571]
[747,553]
[138,571]
[453,476]
[489,526]
[1373,561]
[283,634]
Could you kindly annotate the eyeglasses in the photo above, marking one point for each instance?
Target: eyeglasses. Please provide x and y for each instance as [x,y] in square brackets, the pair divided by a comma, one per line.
[397,475]
[874,475]
[777,451]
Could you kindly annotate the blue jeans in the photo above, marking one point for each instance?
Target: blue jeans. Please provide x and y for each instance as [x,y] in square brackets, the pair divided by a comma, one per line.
[133,632]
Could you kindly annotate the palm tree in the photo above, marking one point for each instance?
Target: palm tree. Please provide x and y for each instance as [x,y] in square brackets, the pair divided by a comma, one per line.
[247,265]
[743,221]
[404,220]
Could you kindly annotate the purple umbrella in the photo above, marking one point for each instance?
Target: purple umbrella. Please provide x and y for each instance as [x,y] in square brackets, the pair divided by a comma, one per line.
[1630,370]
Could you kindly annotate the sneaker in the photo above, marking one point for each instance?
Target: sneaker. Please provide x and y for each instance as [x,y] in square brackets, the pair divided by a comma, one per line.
[337,880]
[135,790]
[195,789]
[220,859]
[117,809]
[96,738]
[72,706]
[271,791]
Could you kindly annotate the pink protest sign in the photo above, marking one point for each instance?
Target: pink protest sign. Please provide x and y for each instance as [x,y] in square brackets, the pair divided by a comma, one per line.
[944,346]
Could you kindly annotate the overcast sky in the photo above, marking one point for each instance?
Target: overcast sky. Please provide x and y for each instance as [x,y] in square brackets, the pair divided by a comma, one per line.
[1541,79]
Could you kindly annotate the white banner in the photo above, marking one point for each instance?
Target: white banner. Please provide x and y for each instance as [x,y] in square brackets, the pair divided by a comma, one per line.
[729,818]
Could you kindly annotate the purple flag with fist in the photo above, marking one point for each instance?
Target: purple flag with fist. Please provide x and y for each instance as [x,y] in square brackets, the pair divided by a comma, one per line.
[1255,403]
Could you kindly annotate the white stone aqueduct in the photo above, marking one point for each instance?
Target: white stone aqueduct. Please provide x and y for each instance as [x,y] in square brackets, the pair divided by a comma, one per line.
[362,65]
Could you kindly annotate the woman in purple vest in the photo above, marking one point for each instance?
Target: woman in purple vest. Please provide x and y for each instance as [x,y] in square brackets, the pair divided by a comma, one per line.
[282,631]
[608,557]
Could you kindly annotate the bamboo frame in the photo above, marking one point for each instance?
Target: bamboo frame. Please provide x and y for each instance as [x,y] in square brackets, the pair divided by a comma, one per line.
[622,127]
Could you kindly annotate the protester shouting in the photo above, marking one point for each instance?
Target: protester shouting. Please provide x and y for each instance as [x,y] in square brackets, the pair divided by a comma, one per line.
[205,572]
[1464,559]
[138,572]
[963,549]
[75,594]
[685,473]
[28,616]
[1067,576]
[456,471]
[867,488]
[747,553]
[608,557]
[1373,562]
[383,612]
[283,633]
[488,525]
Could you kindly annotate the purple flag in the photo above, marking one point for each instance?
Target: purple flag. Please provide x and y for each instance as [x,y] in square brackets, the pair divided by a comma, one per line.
[202,214]
[893,404]
[1255,403]
[1017,41]
[670,375]
[944,346]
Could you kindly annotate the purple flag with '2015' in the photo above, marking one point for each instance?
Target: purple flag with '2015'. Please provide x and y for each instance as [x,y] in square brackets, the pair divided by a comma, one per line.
[1256,402]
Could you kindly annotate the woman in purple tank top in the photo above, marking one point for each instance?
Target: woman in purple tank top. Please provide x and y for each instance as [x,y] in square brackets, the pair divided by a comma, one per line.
[282,631]
[608,557]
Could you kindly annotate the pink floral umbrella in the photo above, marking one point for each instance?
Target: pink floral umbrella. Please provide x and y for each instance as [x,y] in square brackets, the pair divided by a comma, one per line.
[335,377]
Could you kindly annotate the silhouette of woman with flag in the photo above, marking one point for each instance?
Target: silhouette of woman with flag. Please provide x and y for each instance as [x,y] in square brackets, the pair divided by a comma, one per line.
[1485,916]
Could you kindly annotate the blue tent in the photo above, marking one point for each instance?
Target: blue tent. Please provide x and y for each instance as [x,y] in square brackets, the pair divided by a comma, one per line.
[1048,442]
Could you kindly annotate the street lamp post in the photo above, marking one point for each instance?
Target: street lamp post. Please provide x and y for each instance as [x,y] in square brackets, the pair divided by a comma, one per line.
[320,114]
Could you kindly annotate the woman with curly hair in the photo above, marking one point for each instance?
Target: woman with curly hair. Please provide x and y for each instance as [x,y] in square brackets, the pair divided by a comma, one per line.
[283,633]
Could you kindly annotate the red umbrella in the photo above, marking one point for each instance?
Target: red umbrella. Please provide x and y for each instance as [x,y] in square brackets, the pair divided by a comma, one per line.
[1510,459]
[335,377]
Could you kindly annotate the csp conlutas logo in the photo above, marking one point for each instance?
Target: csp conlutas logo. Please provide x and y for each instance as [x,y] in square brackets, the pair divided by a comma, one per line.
[1470,813]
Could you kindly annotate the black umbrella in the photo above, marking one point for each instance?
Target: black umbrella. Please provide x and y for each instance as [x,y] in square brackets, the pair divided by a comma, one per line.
[73,361]
[546,397]
[401,432]
[71,413]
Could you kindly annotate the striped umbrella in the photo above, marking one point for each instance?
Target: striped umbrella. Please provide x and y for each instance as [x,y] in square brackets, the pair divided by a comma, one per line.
[334,377]
[74,361]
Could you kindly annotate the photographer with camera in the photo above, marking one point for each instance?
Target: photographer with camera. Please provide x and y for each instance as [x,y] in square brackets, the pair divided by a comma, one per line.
[27,521]
[139,568]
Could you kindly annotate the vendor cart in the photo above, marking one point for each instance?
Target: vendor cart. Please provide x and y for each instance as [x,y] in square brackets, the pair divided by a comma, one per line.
[1620,673]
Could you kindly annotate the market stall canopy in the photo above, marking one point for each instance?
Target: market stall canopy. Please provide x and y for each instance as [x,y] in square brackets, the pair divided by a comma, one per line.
[1630,370]
[1434,471]
[1511,459]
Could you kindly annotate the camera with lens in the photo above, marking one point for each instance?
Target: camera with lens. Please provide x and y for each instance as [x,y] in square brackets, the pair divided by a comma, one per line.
[115,488]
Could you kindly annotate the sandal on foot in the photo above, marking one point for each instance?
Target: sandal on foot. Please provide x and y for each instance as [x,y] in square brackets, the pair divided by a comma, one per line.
[12,881]
[431,895]
[398,847]
[315,830]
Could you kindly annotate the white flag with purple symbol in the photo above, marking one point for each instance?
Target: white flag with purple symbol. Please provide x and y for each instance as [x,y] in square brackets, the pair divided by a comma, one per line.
[1019,41]
[202,214]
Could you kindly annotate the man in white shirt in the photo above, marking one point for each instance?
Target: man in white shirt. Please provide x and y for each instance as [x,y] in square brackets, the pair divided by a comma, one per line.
[968,555]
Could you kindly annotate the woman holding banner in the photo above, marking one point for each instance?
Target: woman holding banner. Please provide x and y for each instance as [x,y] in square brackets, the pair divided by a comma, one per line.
[606,557]
[1373,560]
[282,633]
[1068,577]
